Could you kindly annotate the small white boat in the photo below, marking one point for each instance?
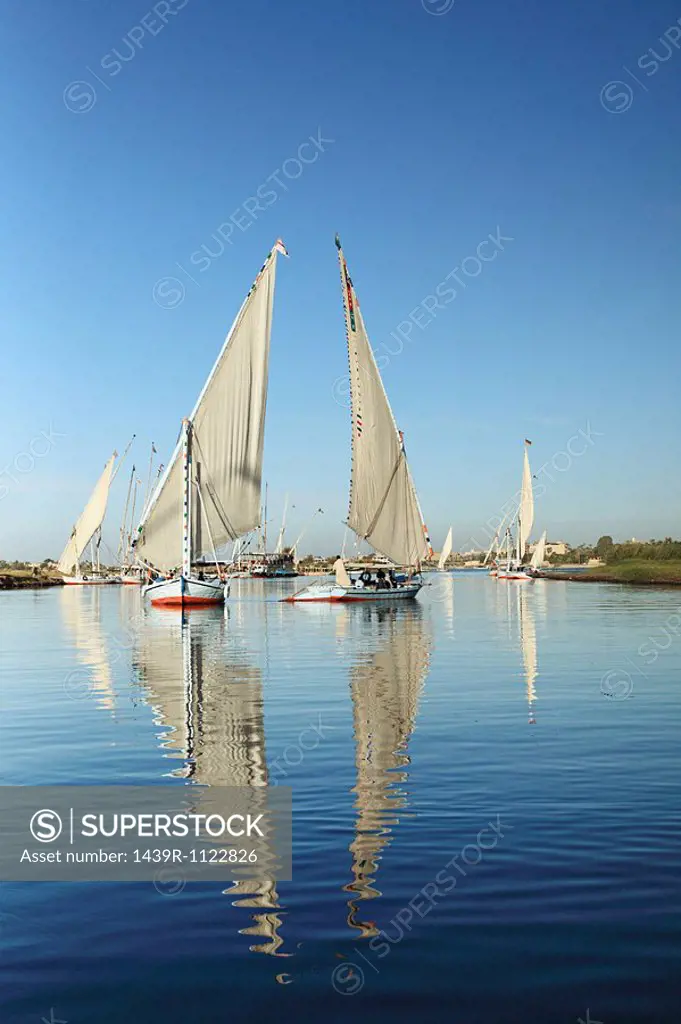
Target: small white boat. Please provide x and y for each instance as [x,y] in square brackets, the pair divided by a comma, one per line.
[209,494]
[90,580]
[513,573]
[132,577]
[384,506]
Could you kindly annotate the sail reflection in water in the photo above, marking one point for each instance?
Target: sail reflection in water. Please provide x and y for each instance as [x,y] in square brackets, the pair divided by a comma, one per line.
[526,598]
[385,690]
[208,698]
[81,610]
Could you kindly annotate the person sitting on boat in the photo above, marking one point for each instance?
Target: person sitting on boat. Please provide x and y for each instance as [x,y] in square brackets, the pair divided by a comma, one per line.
[365,577]
[381,581]
[341,573]
[392,581]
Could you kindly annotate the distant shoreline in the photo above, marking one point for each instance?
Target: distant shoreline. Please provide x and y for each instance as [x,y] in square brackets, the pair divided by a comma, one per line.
[24,579]
[634,572]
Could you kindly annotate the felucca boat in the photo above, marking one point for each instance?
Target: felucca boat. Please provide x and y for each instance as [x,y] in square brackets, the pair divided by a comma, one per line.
[384,507]
[88,530]
[538,556]
[209,494]
[513,568]
[446,551]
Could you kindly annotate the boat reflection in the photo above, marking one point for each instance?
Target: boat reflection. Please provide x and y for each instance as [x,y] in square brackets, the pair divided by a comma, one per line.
[385,688]
[208,700]
[81,610]
[528,642]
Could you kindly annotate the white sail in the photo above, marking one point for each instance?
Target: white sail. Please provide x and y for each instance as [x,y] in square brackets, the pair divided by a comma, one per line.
[526,508]
[539,552]
[384,508]
[227,428]
[90,521]
[446,550]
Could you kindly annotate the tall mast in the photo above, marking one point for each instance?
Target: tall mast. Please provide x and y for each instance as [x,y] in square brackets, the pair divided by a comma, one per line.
[264,526]
[122,545]
[187,504]
[122,459]
[147,493]
[280,540]
[132,523]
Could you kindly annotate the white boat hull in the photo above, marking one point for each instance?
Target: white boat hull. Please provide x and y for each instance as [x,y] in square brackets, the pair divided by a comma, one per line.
[90,581]
[352,595]
[186,592]
[513,574]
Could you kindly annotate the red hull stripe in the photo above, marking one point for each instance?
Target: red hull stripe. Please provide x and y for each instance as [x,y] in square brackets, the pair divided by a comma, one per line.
[185,602]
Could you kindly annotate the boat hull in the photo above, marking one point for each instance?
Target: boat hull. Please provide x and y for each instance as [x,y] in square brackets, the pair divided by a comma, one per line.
[90,581]
[523,576]
[185,592]
[354,595]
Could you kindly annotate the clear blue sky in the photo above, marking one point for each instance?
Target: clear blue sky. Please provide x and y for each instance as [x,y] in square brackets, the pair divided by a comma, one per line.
[444,127]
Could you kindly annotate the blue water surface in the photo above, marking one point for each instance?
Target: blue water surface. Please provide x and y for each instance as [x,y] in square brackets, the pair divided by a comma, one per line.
[486,803]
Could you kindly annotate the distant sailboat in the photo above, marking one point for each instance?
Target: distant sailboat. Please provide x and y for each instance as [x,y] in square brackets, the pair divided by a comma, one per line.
[88,530]
[209,495]
[513,568]
[384,507]
[539,554]
[446,551]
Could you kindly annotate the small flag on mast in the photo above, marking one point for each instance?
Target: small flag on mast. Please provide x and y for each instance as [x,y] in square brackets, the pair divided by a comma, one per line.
[527,442]
[280,247]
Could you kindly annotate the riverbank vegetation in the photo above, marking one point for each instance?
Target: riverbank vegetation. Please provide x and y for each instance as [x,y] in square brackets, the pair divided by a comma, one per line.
[16,575]
[638,570]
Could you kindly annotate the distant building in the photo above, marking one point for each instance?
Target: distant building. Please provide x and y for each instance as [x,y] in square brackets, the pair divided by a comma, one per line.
[553,547]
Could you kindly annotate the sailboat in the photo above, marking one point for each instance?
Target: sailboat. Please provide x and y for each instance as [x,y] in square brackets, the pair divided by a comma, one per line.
[209,494]
[513,568]
[446,551]
[88,530]
[538,555]
[384,506]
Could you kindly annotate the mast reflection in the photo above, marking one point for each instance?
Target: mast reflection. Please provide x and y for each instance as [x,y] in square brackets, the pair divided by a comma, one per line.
[208,698]
[385,689]
[528,644]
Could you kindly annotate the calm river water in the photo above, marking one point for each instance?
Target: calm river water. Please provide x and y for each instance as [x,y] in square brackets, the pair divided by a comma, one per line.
[486,804]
